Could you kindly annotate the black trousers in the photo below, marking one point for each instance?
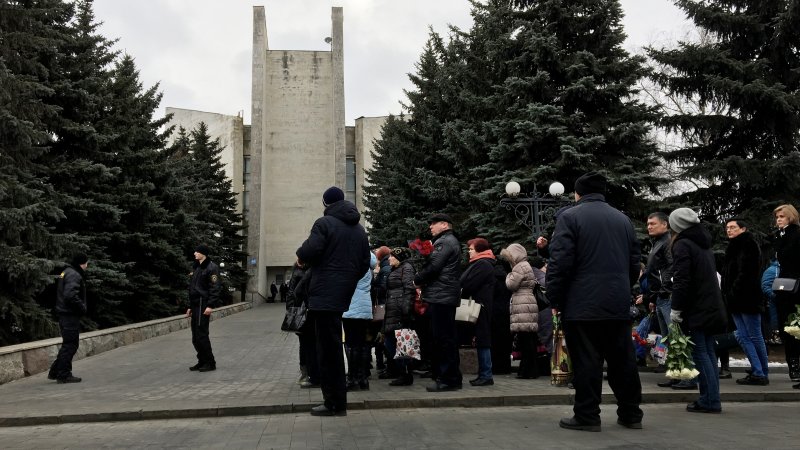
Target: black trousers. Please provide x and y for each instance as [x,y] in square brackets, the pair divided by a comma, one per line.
[527,342]
[591,342]
[200,339]
[70,337]
[443,332]
[308,349]
[330,358]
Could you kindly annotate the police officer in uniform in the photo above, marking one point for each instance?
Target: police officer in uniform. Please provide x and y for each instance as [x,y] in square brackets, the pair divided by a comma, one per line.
[70,306]
[203,296]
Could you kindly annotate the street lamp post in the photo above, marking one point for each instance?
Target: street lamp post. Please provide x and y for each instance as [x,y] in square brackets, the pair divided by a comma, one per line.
[536,210]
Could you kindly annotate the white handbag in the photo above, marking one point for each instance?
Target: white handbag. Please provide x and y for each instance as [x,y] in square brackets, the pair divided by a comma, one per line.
[468,311]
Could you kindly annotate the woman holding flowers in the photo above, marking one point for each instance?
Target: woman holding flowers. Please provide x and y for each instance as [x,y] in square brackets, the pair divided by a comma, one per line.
[787,245]
[697,302]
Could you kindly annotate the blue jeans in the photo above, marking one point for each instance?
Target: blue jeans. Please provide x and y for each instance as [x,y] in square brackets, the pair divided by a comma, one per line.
[773,315]
[705,362]
[748,333]
[484,363]
[663,307]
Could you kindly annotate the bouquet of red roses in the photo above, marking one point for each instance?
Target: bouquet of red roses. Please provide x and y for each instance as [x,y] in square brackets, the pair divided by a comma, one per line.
[423,251]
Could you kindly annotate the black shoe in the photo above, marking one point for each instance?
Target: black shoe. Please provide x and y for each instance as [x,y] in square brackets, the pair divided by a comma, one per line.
[195,367]
[352,386]
[694,407]
[668,383]
[51,376]
[474,380]
[69,379]
[385,375]
[685,385]
[323,410]
[753,380]
[631,425]
[363,385]
[402,381]
[442,387]
[796,386]
[571,424]
[207,368]
[482,382]
[725,374]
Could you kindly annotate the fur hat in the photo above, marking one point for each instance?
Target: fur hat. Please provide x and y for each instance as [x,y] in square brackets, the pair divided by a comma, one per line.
[332,195]
[683,218]
[590,183]
[401,253]
[203,249]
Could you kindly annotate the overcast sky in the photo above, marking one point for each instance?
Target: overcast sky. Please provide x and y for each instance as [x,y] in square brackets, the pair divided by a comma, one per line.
[200,50]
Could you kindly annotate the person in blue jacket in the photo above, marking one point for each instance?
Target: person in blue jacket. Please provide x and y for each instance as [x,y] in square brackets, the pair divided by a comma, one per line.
[356,321]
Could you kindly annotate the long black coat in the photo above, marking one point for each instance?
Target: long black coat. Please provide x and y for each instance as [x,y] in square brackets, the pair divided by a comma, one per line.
[594,262]
[788,251]
[477,282]
[338,252]
[400,294]
[695,290]
[741,275]
[440,276]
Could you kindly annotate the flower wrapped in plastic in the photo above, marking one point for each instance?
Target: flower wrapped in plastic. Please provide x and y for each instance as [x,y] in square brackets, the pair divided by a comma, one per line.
[793,324]
[679,361]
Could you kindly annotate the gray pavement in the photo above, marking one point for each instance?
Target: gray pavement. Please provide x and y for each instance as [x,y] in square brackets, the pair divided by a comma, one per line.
[257,370]
[740,426]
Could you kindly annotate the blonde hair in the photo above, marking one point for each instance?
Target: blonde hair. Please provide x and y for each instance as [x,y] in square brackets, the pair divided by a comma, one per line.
[790,212]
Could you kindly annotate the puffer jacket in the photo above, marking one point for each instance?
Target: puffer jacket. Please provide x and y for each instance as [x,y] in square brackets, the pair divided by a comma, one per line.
[400,294]
[337,250]
[440,278]
[71,292]
[361,303]
[520,281]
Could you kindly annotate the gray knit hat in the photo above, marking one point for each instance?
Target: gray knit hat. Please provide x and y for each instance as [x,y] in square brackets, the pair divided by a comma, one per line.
[683,218]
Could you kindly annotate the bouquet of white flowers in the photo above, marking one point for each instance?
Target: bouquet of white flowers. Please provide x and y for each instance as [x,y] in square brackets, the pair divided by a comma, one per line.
[679,355]
[793,324]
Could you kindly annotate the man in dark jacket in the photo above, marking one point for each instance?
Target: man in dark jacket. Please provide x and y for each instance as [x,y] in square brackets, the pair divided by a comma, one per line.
[70,306]
[657,276]
[741,290]
[337,250]
[204,289]
[594,262]
[440,282]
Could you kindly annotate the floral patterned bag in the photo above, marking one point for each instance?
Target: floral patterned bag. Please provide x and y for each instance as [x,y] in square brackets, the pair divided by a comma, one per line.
[407,344]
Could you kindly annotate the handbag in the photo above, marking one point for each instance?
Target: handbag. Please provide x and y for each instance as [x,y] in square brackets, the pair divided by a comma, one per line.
[541,297]
[468,311]
[419,306]
[785,285]
[407,344]
[378,313]
[295,318]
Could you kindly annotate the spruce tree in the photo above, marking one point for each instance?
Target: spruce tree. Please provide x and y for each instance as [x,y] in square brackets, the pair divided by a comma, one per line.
[741,158]
[32,35]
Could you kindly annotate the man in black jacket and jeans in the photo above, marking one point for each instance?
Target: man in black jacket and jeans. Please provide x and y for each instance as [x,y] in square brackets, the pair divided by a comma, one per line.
[441,288]
[594,262]
[337,252]
[204,291]
[70,306]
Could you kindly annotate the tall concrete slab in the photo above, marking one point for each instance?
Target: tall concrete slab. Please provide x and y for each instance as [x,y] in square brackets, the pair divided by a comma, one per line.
[257,283]
[367,130]
[337,56]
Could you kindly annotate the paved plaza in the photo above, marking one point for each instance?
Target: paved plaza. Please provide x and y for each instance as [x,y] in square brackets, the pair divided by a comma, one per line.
[252,401]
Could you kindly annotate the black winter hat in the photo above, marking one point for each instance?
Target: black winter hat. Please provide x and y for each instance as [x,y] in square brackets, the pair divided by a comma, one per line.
[78,259]
[590,183]
[332,195]
[401,253]
[440,217]
[203,248]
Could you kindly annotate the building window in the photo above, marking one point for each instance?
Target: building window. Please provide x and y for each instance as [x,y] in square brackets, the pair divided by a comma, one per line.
[350,179]
[246,169]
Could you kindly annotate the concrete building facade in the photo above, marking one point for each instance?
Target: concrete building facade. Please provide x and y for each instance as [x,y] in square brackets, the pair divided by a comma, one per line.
[296,147]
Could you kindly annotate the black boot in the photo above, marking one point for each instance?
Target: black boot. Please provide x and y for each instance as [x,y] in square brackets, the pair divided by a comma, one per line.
[794,368]
[364,360]
[352,383]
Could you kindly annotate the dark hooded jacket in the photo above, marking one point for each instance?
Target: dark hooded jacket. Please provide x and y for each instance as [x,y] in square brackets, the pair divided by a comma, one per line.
[205,286]
[337,250]
[440,276]
[741,275]
[71,292]
[695,290]
[658,271]
[594,262]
